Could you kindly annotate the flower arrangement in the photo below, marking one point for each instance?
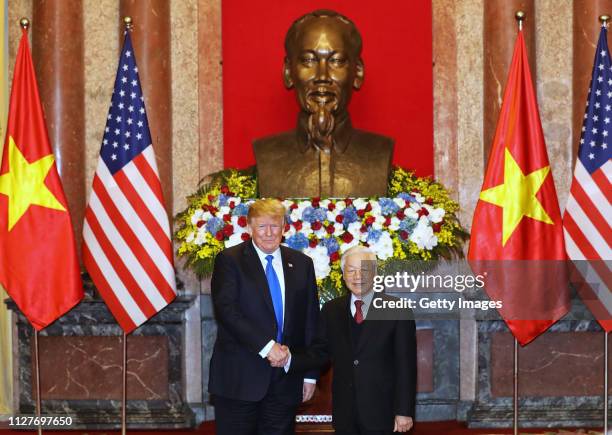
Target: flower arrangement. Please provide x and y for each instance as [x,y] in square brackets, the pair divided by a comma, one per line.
[416,222]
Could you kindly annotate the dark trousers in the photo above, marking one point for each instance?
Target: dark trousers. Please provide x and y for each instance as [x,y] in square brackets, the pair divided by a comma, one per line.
[269,416]
[361,432]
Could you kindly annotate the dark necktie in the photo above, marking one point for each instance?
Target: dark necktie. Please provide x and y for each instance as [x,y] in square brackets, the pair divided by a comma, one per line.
[277,297]
[358,312]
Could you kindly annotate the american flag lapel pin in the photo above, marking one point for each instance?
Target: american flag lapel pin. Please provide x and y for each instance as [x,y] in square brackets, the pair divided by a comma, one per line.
[290,264]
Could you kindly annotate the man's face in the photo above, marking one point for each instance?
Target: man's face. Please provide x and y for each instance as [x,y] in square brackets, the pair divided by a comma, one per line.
[267,232]
[323,66]
[359,271]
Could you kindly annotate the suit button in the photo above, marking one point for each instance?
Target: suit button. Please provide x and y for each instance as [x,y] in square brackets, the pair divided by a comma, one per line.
[356,362]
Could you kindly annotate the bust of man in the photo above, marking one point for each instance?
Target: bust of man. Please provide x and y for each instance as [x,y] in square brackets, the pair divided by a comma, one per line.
[325,155]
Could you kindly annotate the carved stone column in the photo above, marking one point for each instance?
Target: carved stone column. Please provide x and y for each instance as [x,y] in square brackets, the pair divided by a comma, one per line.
[151,39]
[500,31]
[57,45]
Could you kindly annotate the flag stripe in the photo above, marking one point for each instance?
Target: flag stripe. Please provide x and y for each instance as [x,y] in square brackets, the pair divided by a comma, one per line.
[141,209]
[586,227]
[578,237]
[108,283]
[585,203]
[149,172]
[121,204]
[122,259]
[157,287]
[601,196]
[573,251]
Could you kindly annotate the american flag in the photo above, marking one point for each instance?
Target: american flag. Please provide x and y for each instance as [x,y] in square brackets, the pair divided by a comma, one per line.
[586,221]
[126,235]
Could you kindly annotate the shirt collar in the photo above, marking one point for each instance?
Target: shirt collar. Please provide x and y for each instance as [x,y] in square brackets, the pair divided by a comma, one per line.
[367,299]
[262,255]
[342,133]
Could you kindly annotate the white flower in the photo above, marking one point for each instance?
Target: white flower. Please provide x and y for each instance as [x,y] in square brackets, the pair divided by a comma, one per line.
[200,238]
[320,259]
[378,224]
[346,246]
[236,199]
[401,203]
[224,210]
[383,247]
[234,239]
[354,228]
[306,230]
[360,203]
[331,215]
[206,216]
[418,197]
[324,203]
[423,235]
[338,229]
[376,210]
[340,205]
[302,205]
[287,203]
[291,231]
[320,233]
[296,215]
[436,214]
[190,237]
[197,216]
[394,225]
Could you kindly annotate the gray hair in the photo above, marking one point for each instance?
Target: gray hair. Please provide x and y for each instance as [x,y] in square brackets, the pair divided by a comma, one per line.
[359,249]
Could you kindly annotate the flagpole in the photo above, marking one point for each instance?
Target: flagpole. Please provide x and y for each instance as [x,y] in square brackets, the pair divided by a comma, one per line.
[605,401]
[124,386]
[37,369]
[520,17]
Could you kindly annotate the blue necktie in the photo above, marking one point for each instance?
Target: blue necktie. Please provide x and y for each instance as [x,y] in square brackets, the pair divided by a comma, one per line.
[277,297]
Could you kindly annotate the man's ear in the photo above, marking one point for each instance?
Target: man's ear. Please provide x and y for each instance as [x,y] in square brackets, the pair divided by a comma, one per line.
[287,74]
[359,75]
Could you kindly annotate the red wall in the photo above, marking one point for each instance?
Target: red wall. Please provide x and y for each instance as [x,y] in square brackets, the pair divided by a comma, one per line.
[396,99]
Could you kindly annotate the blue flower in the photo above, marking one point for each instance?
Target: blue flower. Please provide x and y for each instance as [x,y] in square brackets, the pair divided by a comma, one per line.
[408,224]
[350,215]
[373,235]
[214,225]
[387,206]
[407,197]
[222,200]
[331,244]
[297,241]
[240,210]
[311,214]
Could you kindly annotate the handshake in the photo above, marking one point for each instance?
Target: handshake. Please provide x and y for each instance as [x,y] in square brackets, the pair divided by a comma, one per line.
[278,355]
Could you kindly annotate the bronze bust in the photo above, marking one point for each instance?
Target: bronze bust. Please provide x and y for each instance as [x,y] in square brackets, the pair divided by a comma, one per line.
[324,156]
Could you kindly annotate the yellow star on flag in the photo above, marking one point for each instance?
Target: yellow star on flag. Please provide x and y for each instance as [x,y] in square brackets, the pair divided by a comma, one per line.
[24,184]
[517,196]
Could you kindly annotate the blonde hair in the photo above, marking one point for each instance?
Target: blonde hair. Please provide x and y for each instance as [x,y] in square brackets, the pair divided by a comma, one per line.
[266,207]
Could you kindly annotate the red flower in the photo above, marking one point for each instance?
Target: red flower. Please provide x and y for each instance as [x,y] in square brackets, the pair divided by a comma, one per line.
[286,228]
[436,227]
[370,220]
[423,212]
[219,236]
[242,221]
[403,234]
[212,209]
[200,223]
[334,257]
[227,217]
[232,204]
[315,201]
[387,221]
[339,218]
[368,207]
[346,237]
[316,225]
[429,201]
[224,189]
[400,214]
[228,230]
[360,213]
[363,229]
[331,206]
[245,236]
[211,198]
[313,243]
[348,201]
[330,229]
[297,225]
[293,206]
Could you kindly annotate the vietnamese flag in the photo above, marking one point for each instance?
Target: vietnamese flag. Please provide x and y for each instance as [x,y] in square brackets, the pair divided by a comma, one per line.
[38,260]
[517,234]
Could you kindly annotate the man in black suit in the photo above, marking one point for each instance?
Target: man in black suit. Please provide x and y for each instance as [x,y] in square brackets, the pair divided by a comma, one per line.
[374,361]
[264,297]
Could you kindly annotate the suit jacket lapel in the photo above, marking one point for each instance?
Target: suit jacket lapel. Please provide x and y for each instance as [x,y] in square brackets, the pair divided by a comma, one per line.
[289,286]
[256,271]
[368,330]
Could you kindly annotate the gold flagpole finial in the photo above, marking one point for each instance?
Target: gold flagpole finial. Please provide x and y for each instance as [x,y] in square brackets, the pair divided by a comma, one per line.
[24,23]
[520,17]
[128,22]
[604,19]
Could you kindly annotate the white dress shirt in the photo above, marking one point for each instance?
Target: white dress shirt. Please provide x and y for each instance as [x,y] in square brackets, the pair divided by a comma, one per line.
[367,301]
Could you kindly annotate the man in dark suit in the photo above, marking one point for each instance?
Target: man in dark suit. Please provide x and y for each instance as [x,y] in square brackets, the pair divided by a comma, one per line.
[264,296]
[374,361]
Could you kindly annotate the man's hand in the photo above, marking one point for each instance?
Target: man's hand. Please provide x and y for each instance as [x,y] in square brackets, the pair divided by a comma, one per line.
[402,423]
[278,355]
[308,391]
